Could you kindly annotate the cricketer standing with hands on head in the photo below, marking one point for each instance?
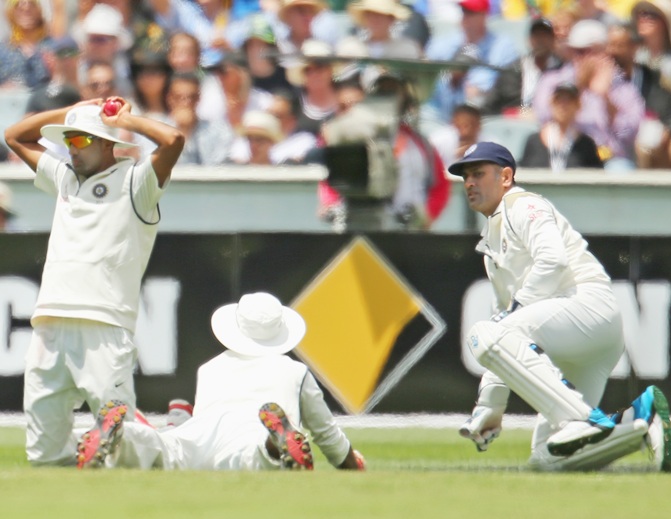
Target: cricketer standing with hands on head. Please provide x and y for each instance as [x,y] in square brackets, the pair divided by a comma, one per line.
[102,235]
[556,333]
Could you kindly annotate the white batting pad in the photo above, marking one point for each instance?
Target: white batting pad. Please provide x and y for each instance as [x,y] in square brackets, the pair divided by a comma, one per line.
[527,372]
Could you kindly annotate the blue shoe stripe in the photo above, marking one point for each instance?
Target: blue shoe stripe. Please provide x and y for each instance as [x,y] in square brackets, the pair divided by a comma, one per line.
[644,405]
[600,419]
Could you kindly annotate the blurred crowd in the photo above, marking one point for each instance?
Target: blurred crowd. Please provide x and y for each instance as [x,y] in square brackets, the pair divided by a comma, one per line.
[254,81]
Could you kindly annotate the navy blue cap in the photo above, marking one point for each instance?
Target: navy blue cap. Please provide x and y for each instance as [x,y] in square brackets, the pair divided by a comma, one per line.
[485,152]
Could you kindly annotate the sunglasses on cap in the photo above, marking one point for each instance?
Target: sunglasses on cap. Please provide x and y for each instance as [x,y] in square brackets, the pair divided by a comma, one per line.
[79,141]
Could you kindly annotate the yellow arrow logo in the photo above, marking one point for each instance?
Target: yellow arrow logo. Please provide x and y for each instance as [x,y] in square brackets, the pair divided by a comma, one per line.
[355,310]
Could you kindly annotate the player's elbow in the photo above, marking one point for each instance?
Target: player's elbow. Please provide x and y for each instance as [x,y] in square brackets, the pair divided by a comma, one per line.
[175,140]
[11,139]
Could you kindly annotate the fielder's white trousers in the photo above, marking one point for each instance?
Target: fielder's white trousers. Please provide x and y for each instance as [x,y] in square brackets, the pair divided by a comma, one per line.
[201,443]
[69,362]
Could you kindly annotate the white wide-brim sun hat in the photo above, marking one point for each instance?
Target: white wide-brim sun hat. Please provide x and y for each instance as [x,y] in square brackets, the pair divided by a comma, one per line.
[356,10]
[311,51]
[261,124]
[85,119]
[319,5]
[258,325]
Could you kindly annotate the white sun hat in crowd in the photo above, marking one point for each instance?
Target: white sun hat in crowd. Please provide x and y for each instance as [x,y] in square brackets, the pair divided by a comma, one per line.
[105,20]
[261,124]
[587,33]
[311,50]
[389,7]
[85,118]
[318,5]
[258,325]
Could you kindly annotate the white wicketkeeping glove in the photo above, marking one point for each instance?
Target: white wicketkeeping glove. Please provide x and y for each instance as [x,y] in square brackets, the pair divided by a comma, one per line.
[483,427]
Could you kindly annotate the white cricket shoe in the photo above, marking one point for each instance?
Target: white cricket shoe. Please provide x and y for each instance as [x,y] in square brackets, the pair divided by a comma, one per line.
[575,435]
[653,407]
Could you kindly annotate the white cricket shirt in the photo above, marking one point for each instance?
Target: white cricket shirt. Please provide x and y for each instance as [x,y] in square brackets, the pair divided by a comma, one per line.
[101,239]
[532,252]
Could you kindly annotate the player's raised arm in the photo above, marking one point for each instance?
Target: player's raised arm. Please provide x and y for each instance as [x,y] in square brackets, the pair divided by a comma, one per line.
[169,140]
[23,137]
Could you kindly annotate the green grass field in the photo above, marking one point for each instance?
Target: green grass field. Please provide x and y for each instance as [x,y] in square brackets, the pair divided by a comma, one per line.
[413,473]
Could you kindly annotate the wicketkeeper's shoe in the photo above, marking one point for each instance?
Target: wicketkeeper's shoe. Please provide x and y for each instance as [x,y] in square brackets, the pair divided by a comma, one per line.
[653,407]
[295,452]
[575,435]
[101,441]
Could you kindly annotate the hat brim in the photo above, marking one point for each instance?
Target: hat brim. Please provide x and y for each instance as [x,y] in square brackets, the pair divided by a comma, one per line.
[319,6]
[56,132]
[296,73]
[226,330]
[356,11]
[261,132]
[458,167]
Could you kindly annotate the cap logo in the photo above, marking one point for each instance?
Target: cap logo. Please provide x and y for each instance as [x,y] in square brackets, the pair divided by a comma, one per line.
[470,150]
[71,119]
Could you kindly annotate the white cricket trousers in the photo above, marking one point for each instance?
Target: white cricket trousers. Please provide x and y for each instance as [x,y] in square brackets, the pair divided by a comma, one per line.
[209,442]
[69,362]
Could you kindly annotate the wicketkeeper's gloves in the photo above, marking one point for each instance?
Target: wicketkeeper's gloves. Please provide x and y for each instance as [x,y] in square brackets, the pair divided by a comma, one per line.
[483,427]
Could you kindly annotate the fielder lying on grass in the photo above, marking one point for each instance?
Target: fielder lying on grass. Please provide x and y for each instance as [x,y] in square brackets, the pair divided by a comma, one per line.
[248,399]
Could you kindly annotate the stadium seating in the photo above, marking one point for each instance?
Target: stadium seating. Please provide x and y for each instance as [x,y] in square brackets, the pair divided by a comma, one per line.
[510,132]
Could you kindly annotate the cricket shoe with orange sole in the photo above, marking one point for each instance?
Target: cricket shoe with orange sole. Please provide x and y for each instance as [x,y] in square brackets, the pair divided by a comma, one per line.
[295,452]
[101,441]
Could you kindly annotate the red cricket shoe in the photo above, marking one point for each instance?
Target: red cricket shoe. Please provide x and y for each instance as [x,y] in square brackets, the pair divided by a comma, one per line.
[295,452]
[95,445]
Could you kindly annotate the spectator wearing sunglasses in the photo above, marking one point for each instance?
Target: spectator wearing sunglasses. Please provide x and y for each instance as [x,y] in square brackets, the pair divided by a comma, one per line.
[101,238]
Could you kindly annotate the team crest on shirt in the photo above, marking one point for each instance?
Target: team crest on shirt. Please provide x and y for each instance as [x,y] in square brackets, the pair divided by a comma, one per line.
[100,190]
[504,245]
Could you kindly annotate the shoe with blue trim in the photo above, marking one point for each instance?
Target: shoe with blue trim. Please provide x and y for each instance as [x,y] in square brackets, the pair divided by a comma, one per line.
[653,407]
[575,435]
